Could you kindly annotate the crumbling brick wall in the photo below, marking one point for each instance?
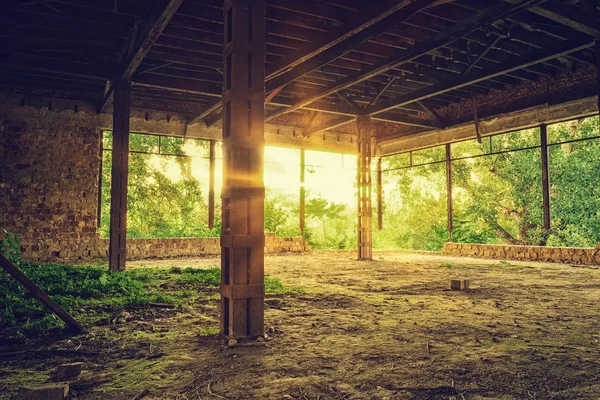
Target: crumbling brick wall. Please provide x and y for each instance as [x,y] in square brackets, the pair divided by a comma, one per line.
[49,181]
[575,255]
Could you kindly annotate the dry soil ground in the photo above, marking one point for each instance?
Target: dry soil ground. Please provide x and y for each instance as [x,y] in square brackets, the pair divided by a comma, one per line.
[387,329]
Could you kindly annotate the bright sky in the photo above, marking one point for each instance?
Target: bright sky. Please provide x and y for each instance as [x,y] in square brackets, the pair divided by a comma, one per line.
[331,175]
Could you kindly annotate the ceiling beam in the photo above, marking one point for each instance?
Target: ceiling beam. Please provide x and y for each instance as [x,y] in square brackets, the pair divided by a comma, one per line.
[214,107]
[141,42]
[514,64]
[378,18]
[489,15]
[150,30]
[569,16]
[332,124]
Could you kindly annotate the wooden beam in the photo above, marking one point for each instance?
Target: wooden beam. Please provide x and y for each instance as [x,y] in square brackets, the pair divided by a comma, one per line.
[38,293]
[487,16]
[380,17]
[514,64]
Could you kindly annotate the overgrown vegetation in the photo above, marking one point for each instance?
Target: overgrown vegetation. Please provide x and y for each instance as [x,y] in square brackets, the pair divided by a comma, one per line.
[498,197]
[93,293]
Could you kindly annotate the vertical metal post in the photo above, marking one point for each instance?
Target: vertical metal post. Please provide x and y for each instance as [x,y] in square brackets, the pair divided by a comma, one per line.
[450,207]
[117,250]
[598,64]
[302,193]
[545,176]
[211,185]
[364,185]
[243,194]
[100,170]
[379,196]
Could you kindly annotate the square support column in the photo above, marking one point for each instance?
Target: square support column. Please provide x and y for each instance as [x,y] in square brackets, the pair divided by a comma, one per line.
[545,179]
[450,207]
[243,193]
[117,251]
[211,185]
[302,193]
[365,188]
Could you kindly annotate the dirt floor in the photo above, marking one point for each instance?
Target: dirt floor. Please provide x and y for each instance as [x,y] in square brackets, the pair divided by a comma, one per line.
[387,329]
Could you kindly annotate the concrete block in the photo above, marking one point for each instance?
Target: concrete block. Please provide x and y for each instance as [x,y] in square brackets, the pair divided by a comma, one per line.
[67,371]
[49,391]
[460,284]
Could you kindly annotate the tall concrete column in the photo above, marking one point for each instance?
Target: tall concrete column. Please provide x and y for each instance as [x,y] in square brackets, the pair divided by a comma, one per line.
[117,250]
[365,188]
[242,235]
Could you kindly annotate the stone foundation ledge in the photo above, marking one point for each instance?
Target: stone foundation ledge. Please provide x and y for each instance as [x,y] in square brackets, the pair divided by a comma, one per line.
[570,255]
[139,249]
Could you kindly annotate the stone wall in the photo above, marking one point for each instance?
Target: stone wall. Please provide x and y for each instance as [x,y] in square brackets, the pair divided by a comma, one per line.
[571,255]
[49,182]
[49,169]
[139,249]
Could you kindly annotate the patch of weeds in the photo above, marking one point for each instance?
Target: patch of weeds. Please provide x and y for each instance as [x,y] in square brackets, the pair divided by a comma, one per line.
[212,330]
[92,293]
[446,265]
[505,263]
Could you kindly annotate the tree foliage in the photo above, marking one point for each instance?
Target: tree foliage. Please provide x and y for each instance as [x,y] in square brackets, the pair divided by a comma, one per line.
[498,197]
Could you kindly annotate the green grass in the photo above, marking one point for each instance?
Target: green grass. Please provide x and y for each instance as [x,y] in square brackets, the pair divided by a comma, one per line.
[91,293]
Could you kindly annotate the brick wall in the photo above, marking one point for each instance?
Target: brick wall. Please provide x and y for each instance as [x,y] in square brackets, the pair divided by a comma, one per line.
[49,182]
[572,255]
[49,166]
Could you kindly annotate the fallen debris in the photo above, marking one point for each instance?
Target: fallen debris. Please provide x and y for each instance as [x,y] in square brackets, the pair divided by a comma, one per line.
[68,371]
[49,391]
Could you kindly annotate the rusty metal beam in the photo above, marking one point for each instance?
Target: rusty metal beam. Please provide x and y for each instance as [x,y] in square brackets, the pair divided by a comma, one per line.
[378,18]
[514,64]
[150,30]
[117,251]
[487,16]
[142,42]
[449,207]
[379,195]
[302,192]
[545,177]
[243,193]
[332,124]
[211,185]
